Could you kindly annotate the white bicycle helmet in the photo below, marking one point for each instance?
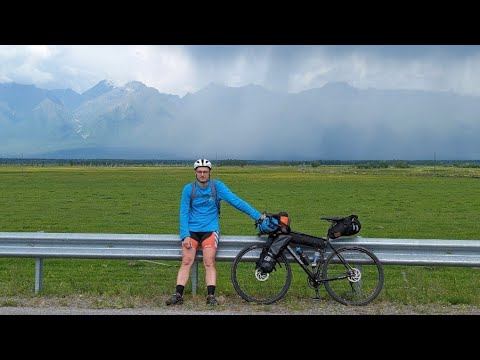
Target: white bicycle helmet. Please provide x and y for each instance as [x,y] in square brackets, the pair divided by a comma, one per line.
[202,162]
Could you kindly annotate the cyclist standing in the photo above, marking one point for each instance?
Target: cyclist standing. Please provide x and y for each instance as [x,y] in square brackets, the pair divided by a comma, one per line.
[199,225]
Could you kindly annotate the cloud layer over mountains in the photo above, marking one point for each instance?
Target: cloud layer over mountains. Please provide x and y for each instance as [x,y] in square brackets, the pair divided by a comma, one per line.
[334,122]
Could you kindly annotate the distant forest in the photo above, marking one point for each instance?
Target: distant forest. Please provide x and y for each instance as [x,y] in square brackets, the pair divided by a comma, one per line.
[232,162]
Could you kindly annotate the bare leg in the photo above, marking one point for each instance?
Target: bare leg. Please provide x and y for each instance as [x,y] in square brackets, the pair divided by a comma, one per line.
[209,263]
[188,256]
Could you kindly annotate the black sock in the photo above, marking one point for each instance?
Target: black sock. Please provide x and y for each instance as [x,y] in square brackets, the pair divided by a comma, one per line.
[180,289]
[211,289]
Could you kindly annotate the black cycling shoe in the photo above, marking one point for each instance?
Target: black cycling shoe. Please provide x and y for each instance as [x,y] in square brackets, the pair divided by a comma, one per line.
[211,300]
[176,299]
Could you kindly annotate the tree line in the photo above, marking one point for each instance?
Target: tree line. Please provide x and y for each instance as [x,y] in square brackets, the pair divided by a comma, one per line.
[361,164]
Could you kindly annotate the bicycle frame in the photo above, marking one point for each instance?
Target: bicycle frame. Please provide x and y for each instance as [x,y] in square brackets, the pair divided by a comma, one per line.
[313,276]
[300,262]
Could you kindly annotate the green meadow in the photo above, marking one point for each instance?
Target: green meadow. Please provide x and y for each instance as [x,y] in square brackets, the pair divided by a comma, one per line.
[419,202]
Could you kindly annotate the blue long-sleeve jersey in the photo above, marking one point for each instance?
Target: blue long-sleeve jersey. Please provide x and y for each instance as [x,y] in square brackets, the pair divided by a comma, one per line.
[202,215]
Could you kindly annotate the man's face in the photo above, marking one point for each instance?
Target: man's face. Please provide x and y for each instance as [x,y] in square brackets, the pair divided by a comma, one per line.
[202,173]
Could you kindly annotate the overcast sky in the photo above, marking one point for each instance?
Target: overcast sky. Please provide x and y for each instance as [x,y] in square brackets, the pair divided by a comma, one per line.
[285,68]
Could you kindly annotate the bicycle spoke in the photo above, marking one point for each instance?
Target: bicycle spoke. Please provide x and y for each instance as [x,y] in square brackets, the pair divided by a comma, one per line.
[355,276]
[253,285]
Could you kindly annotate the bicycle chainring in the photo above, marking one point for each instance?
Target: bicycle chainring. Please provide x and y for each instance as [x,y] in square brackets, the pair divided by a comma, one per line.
[312,283]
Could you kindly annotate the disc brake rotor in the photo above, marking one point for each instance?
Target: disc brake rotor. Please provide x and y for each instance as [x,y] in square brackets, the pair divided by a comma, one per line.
[354,275]
[261,276]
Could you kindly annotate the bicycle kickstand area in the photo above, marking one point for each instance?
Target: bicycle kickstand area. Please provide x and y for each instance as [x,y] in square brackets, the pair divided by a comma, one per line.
[317,294]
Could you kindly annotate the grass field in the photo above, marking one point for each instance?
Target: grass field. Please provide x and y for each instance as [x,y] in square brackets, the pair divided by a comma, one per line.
[418,202]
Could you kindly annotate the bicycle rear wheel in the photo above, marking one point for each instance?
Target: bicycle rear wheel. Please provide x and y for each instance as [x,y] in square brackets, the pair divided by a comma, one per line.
[354,275]
[253,285]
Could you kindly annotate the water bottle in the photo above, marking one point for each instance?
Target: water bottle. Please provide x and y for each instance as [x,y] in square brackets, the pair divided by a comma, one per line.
[302,255]
[316,258]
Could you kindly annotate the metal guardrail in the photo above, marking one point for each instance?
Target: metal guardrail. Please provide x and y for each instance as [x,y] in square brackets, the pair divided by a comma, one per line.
[39,245]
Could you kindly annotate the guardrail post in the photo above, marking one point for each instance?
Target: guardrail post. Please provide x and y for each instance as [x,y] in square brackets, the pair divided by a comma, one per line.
[38,275]
[359,267]
[195,277]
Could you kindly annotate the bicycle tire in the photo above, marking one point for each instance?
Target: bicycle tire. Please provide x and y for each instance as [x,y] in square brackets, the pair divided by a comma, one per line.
[356,284]
[254,286]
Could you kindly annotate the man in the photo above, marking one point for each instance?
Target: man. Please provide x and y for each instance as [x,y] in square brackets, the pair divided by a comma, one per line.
[199,226]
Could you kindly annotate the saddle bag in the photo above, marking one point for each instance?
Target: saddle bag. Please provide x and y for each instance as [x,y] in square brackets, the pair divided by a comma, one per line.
[347,226]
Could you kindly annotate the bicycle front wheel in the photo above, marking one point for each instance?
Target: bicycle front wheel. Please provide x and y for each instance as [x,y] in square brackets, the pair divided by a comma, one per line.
[353,275]
[255,286]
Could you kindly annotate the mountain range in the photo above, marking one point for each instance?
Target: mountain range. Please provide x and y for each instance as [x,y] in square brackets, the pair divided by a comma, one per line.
[336,121]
